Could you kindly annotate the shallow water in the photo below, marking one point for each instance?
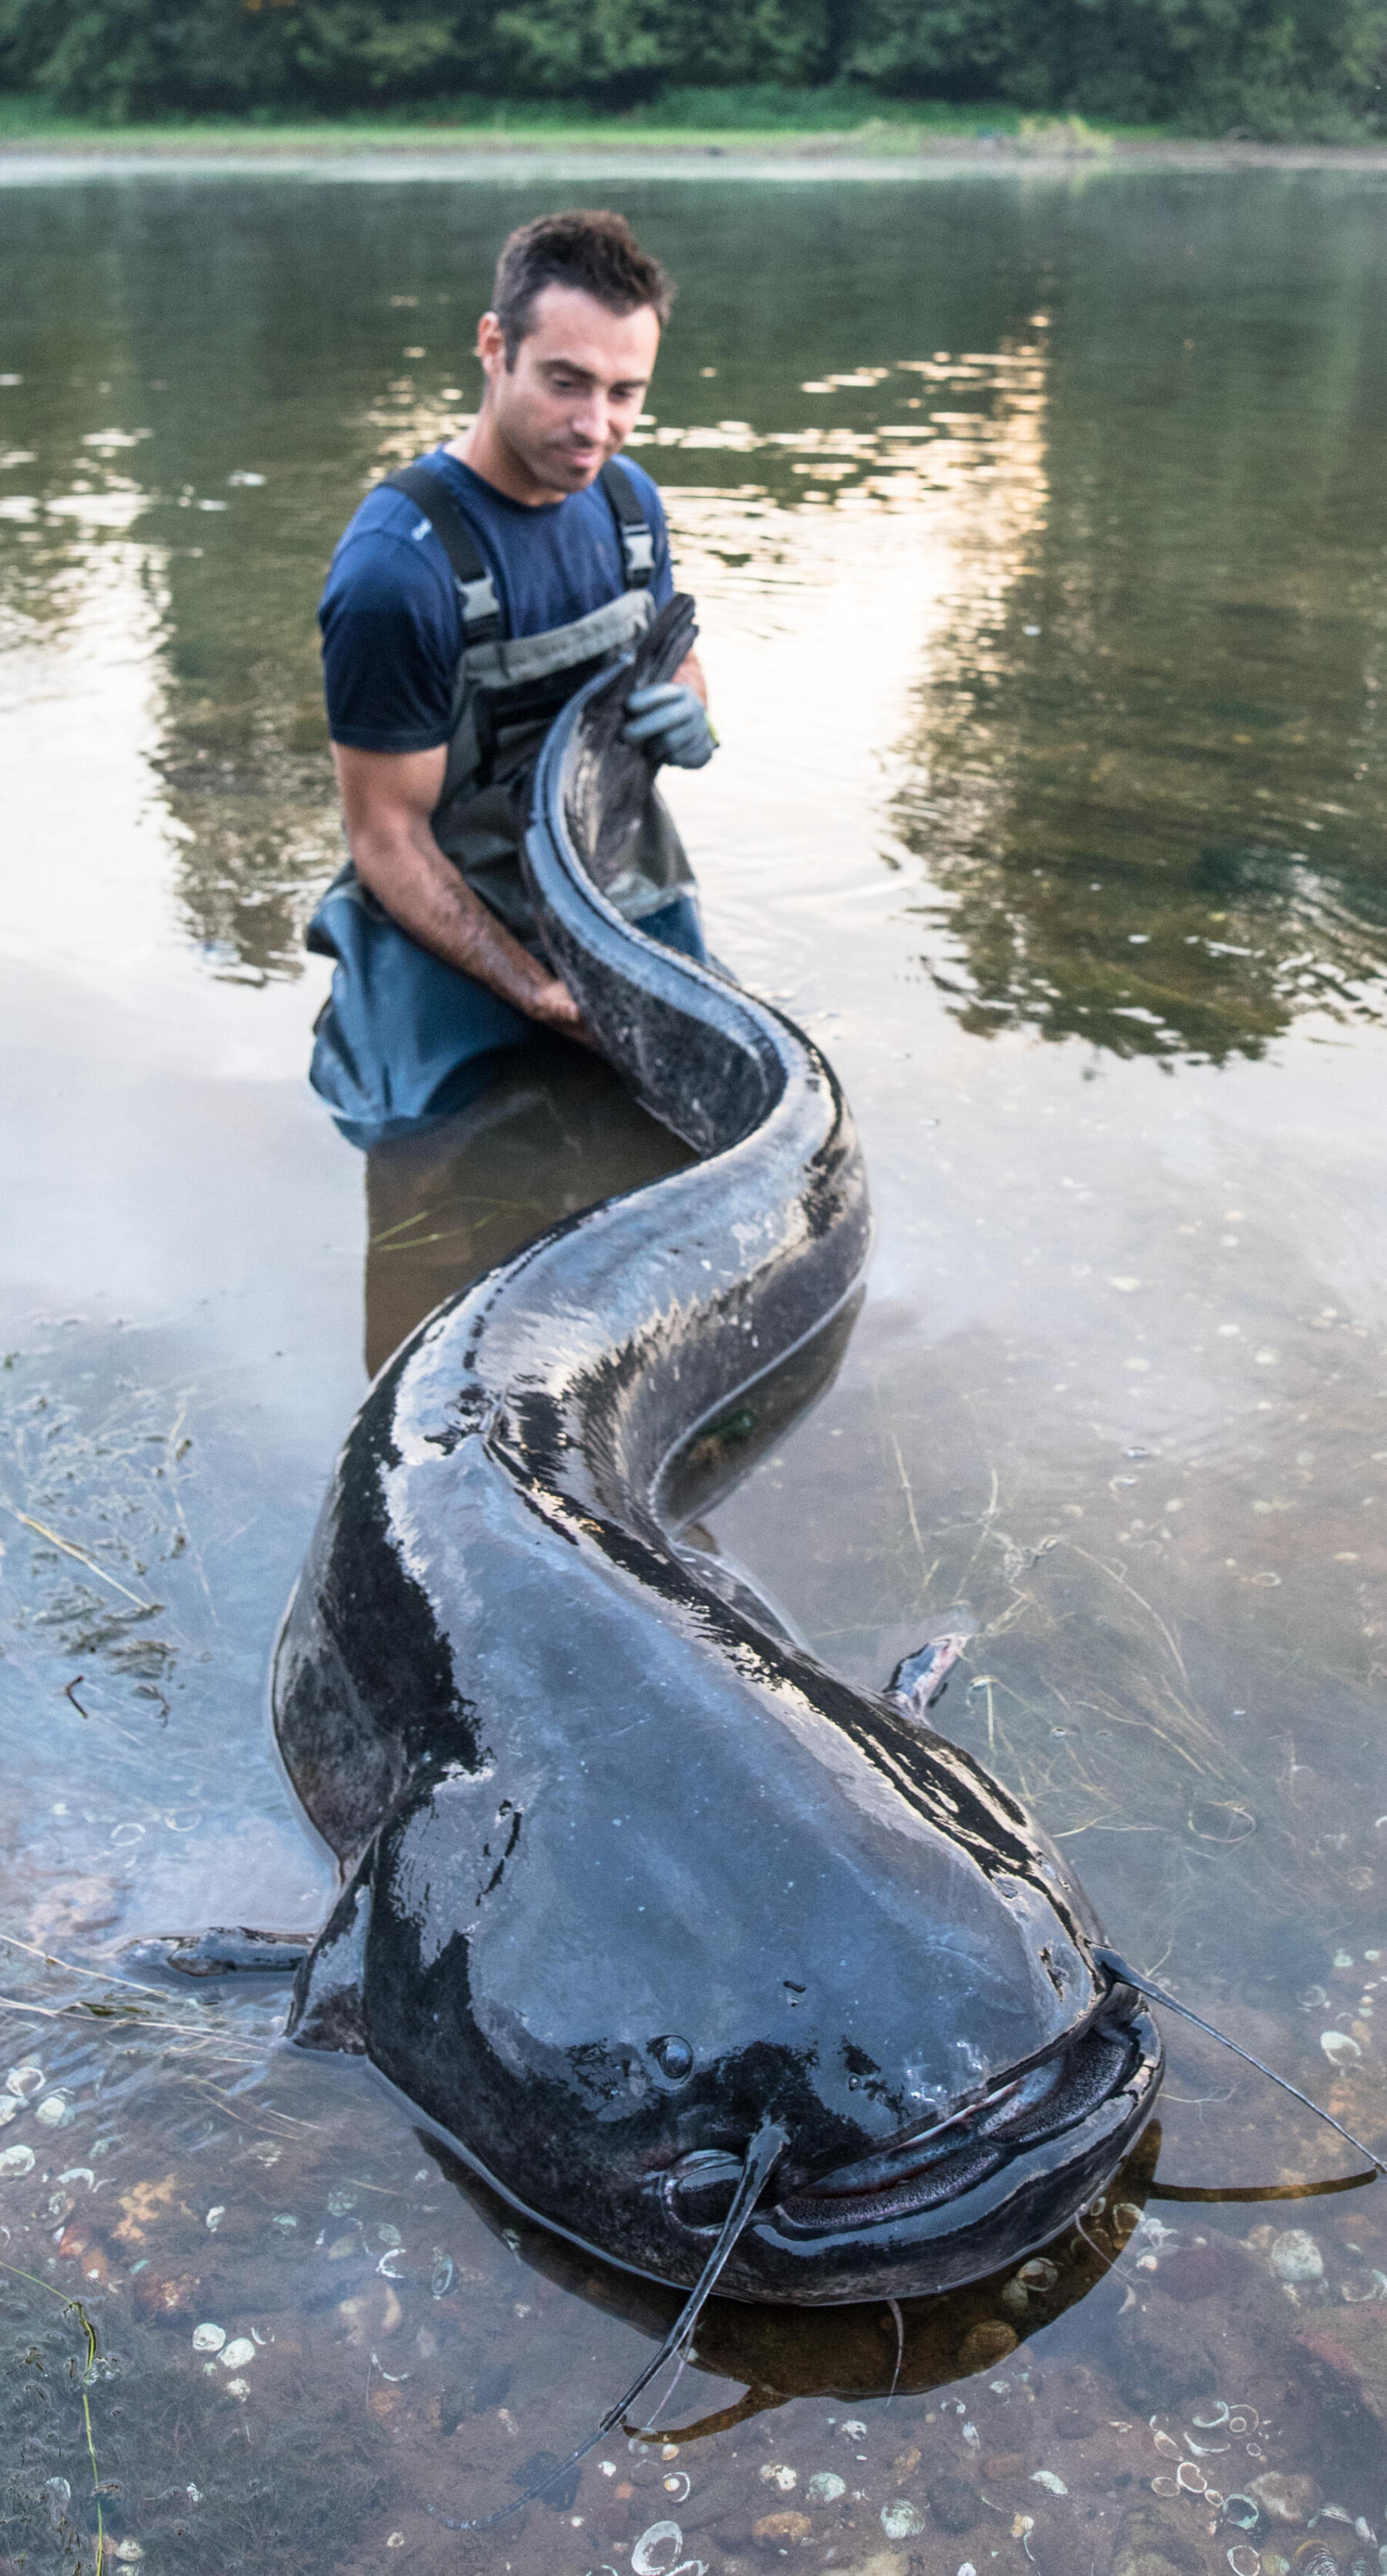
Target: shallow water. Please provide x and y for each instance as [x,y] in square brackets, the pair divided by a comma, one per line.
[1040,536]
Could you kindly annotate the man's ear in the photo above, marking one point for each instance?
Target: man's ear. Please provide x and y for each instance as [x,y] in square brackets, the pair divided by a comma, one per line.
[491,345]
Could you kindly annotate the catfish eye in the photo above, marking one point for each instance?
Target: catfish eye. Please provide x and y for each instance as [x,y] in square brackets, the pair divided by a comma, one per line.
[673,2056]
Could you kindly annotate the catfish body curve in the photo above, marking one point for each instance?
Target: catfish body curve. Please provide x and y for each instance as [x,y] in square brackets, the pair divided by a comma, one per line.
[631,1873]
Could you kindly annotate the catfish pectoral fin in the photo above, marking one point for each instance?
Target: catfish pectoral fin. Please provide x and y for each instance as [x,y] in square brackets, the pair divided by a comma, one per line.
[221,1951]
[329,2008]
[920,1679]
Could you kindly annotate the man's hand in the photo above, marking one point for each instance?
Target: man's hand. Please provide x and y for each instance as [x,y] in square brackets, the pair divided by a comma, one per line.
[670,722]
[387,799]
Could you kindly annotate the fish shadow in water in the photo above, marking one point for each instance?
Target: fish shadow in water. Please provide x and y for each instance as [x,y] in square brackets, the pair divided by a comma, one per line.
[878,2350]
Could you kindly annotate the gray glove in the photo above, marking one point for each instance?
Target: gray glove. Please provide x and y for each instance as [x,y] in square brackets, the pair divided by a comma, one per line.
[670,722]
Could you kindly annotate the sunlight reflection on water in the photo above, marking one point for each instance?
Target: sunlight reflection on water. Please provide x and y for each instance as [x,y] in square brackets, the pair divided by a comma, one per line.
[1038,542]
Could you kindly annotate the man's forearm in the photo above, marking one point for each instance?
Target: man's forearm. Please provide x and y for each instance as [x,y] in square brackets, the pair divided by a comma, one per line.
[421,889]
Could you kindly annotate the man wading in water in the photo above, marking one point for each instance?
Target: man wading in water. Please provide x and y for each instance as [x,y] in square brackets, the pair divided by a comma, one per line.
[470,596]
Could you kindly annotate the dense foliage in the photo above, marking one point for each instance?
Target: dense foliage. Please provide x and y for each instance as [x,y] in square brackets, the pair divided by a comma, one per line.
[1271,66]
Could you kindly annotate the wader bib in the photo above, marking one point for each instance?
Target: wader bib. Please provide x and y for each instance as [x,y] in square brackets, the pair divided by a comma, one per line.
[403,1036]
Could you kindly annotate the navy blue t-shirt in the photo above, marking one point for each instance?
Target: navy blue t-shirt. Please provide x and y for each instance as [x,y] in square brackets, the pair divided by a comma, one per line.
[391,619]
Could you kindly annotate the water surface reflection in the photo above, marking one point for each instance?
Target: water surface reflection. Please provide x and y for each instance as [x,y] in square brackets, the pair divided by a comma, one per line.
[1037,533]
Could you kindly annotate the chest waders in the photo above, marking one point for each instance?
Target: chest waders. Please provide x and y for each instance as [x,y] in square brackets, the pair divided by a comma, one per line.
[403,1036]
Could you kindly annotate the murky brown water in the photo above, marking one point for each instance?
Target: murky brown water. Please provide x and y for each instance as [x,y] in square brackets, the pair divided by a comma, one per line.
[1040,531]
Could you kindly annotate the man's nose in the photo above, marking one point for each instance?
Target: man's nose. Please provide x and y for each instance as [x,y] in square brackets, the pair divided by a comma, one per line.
[590,420]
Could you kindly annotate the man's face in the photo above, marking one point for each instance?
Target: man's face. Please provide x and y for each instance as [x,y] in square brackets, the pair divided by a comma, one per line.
[576,387]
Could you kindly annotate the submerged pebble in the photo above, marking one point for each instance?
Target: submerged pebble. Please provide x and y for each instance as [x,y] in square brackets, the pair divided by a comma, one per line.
[954,2502]
[1284,2496]
[1244,2561]
[1339,2048]
[234,2356]
[55,2111]
[208,2338]
[783,2526]
[825,2487]
[16,2160]
[901,2520]
[778,2474]
[1295,2257]
[25,2081]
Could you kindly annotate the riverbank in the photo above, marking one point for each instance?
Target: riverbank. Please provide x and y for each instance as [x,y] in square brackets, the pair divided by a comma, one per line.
[619,145]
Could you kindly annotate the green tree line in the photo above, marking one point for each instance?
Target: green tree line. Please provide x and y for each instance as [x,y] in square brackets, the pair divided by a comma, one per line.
[1268,66]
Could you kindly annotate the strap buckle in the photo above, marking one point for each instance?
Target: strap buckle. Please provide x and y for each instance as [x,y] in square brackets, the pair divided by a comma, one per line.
[480,606]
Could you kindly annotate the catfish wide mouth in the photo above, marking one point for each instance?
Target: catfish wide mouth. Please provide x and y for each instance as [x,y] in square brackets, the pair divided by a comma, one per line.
[920,2171]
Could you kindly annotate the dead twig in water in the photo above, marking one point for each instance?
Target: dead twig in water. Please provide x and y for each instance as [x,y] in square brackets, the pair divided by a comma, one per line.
[1142,1603]
[70,1692]
[102,1976]
[89,2331]
[909,1502]
[80,1555]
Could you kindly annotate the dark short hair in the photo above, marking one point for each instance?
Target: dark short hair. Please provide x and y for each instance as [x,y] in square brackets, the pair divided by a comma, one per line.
[587,248]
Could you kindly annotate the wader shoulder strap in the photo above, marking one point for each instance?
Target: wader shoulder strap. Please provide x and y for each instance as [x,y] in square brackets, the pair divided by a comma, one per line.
[426,487]
[634,529]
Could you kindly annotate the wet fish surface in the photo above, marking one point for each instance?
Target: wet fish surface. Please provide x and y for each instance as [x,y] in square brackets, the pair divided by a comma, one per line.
[629,1874]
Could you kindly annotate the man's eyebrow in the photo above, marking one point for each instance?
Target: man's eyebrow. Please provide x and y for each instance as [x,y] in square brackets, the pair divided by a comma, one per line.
[572,367]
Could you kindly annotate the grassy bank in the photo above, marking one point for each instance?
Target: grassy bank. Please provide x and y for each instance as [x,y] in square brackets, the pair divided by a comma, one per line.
[755,122]
[700,124]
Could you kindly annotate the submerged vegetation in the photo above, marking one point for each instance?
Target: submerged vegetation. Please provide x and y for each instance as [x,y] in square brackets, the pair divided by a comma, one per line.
[1268,68]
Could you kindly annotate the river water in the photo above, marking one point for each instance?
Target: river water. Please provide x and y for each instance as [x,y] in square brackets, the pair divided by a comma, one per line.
[1039,530]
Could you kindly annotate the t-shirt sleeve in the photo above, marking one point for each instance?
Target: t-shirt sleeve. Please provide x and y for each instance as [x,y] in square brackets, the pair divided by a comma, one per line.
[390,645]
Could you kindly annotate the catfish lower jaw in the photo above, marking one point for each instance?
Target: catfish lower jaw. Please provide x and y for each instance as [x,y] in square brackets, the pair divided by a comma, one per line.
[944,2208]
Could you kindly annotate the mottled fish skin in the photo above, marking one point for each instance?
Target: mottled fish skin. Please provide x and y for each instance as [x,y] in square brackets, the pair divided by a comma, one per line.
[628,1873]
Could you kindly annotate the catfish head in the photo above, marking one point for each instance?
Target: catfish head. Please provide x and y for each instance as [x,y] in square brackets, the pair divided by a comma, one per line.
[600,1976]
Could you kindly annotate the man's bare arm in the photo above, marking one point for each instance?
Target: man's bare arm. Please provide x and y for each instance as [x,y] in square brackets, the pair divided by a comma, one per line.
[387,799]
[691,674]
